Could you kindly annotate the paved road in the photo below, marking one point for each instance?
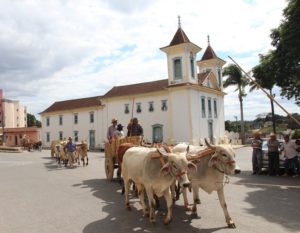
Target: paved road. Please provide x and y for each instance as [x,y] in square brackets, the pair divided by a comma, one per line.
[36,196]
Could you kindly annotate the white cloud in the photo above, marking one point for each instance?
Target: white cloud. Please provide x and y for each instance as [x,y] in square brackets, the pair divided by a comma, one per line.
[56,50]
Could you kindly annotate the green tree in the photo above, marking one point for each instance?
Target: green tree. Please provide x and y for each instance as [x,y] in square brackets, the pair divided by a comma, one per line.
[230,126]
[236,78]
[285,58]
[264,78]
[32,121]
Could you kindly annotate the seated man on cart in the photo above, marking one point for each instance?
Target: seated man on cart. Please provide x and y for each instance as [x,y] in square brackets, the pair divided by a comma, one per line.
[112,130]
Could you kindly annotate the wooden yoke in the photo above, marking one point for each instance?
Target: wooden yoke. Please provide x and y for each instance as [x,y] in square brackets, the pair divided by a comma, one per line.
[200,154]
[157,155]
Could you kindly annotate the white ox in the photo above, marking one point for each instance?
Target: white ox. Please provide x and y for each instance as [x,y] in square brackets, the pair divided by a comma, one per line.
[154,175]
[211,171]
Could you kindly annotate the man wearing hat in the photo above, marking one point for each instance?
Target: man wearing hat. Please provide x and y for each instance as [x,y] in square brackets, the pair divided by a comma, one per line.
[273,155]
[256,154]
[71,148]
[111,132]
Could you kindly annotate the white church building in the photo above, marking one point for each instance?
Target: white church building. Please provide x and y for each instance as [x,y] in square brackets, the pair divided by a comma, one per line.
[188,106]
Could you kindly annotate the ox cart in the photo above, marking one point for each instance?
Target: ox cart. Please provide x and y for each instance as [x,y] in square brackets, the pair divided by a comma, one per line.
[111,150]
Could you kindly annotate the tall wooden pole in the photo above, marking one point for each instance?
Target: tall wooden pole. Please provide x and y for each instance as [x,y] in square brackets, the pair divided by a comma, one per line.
[130,122]
[270,97]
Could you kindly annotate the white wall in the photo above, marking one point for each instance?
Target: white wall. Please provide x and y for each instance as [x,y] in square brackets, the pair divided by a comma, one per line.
[68,127]
[15,114]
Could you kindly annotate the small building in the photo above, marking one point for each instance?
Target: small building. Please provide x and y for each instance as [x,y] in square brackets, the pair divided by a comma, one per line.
[81,119]
[188,106]
[13,122]
[13,136]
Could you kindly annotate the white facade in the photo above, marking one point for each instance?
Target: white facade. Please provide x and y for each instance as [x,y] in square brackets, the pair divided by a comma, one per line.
[186,107]
[13,114]
[62,124]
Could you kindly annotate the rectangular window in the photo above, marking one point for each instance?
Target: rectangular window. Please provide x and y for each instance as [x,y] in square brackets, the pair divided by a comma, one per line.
[60,120]
[75,118]
[48,137]
[203,109]
[177,69]
[76,136]
[138,107]
[48,121]
[209,107]
[192,65]
[91,117]
[151,106]
[164,106]
[215,108]
[126,111]
[60,135]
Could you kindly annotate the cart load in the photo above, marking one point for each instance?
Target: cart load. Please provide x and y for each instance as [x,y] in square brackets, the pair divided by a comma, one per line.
[111,150]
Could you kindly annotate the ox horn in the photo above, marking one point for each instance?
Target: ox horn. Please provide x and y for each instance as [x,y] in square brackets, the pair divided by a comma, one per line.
[162,151]
[209,145]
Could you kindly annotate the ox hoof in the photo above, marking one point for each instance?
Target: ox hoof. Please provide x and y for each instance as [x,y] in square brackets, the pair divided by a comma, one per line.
[187,208]
[197,201]
[128,207]
[231,225]
[167,221]
[194,215]
[152,221]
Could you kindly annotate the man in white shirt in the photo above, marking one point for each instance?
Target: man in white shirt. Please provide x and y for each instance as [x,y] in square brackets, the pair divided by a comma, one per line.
[291,158]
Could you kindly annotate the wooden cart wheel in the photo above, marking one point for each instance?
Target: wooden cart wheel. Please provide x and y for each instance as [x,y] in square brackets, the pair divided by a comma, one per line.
[109,168]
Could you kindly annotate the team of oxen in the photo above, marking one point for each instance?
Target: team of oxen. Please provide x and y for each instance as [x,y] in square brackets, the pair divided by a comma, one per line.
[62,156]
[155,171]
[30,145]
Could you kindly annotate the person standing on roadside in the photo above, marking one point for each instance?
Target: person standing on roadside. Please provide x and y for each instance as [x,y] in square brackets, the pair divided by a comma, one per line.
[273,155]
[256,154]
[290,153]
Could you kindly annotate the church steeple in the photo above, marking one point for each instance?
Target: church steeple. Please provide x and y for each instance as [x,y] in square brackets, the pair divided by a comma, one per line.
[211,62]
[181,55]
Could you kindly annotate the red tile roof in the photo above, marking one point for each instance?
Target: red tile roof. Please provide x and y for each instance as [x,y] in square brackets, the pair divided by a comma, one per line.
[138,88]
[73,104]
[179,38]
[208,54]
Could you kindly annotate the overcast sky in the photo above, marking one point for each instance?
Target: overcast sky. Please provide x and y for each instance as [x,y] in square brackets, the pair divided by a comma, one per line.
[61,49]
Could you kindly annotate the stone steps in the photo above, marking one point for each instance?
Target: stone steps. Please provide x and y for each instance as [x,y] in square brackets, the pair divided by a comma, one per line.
[10,149]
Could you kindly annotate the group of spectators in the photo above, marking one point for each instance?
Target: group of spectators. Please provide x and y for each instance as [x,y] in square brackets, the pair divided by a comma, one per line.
[116,130]
[291,151]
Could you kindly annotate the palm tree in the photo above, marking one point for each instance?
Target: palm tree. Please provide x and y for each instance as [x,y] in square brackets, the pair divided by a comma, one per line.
[236,78]
[264,78]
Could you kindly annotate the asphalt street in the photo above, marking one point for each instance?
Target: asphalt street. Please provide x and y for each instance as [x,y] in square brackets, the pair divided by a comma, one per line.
[38,196]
